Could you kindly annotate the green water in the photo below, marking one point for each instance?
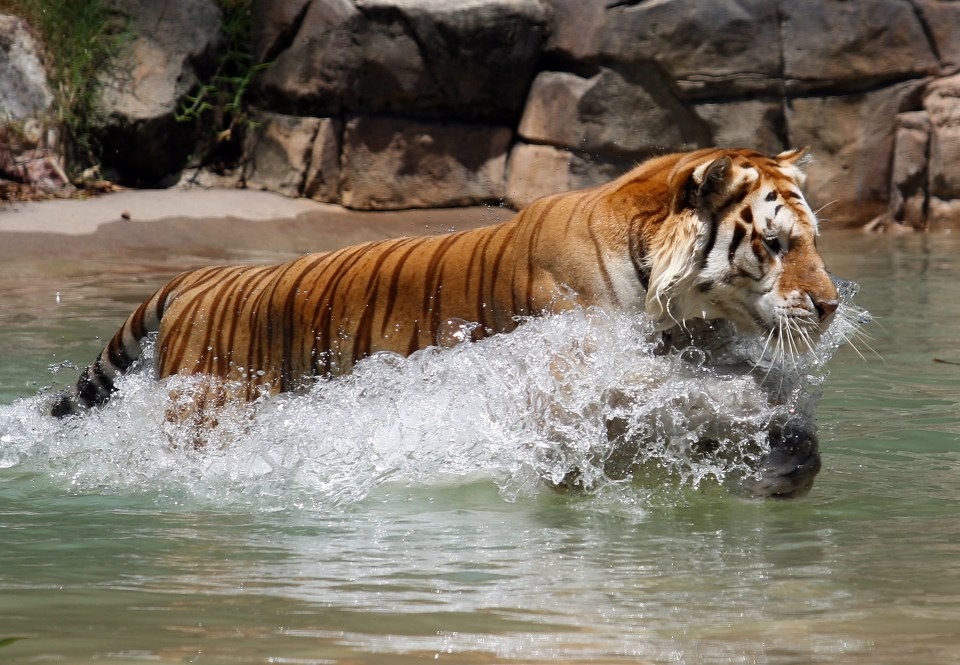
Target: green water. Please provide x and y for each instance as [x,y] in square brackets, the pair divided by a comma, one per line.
[453,569]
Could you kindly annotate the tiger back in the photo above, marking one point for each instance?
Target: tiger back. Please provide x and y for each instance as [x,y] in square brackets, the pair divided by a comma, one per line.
[708,234]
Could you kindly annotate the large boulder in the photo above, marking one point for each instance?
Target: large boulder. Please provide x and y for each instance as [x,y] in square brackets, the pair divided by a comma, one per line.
[170,44]
[30,165]
[24,90]
[837,43]
[722,48]
[295,156]
[942,105]
[574,28]
[852,141]
[941,21]
[539,170]
[390,163]
[757,123]
[277,23]
[473,59]
[609,114]
[908,177]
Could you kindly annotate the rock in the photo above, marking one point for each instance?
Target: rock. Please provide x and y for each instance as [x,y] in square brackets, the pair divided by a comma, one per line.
[574,29]
[277,23]
[834,43]
[942,213]
[412,57]
[754,123]
[322,178]
[281,151]
[852,140]
[552,111]
[568,111]
[391,163]
[722,48]
[29,166]
[539,170]
[170,42]
[908,178]
[24,90]
[535,171]
[941,21]
[295,156]
[942,104]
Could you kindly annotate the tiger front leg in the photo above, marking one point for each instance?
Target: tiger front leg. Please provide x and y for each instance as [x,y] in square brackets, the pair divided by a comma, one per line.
[789,469]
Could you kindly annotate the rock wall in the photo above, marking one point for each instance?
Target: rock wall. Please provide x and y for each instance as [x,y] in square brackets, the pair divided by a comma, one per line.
[386,104]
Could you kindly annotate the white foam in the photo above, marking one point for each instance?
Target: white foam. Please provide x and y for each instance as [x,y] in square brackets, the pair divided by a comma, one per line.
[522,410]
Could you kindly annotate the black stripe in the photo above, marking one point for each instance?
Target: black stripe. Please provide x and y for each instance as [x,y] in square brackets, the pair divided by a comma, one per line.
[711,241]
[739,231]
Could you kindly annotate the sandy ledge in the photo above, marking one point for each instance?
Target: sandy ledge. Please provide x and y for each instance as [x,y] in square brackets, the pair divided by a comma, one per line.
[211,218]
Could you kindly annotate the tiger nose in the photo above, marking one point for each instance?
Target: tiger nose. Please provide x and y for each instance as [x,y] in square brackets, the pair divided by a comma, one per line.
[824,307]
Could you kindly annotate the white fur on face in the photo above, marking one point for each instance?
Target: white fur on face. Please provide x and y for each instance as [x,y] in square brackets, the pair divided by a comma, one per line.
[741,262]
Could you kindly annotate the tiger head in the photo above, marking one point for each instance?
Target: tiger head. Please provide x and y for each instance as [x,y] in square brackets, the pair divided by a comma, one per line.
[738,243]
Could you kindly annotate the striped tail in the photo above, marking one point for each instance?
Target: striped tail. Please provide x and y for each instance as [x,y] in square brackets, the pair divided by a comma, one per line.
[96,382]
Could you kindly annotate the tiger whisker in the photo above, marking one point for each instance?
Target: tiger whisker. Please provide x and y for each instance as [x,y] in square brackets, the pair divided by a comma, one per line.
[822,208]
[773,353]
[808,341]
[856,334]
[862,338]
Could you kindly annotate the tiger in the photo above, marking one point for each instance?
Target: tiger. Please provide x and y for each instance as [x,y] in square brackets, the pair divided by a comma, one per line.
[714,233]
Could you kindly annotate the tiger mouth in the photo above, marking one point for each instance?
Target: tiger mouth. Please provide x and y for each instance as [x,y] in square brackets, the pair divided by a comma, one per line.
[796,334]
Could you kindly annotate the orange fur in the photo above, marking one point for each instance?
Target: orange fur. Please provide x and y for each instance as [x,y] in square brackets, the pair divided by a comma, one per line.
[641,243]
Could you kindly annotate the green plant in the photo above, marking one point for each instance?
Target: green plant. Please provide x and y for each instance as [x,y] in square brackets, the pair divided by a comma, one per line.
[220,103]
[81,38]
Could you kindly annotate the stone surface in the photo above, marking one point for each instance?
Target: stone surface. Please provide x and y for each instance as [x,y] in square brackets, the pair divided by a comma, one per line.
[322,178]
[852,145]
[421,101]
[169,41]
[942,213]
[610,115]
[552,111]
[574,29]
[24,90]
[942,23]
[832,43]
[720,48]
[390,163]
[277,23]
[29,165]
[638,114]
[539,170]
[757,123]
[280,153]
[908,178]
[942,104]
[409,56]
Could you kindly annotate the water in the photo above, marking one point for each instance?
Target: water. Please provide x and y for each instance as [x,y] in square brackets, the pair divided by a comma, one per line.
[401,515]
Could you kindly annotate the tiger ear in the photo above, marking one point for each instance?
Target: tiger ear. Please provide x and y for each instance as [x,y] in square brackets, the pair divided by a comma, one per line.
[708,184]
[795,159]
[795,156]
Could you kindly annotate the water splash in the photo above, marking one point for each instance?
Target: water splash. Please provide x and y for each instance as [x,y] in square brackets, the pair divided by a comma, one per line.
[585,400]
